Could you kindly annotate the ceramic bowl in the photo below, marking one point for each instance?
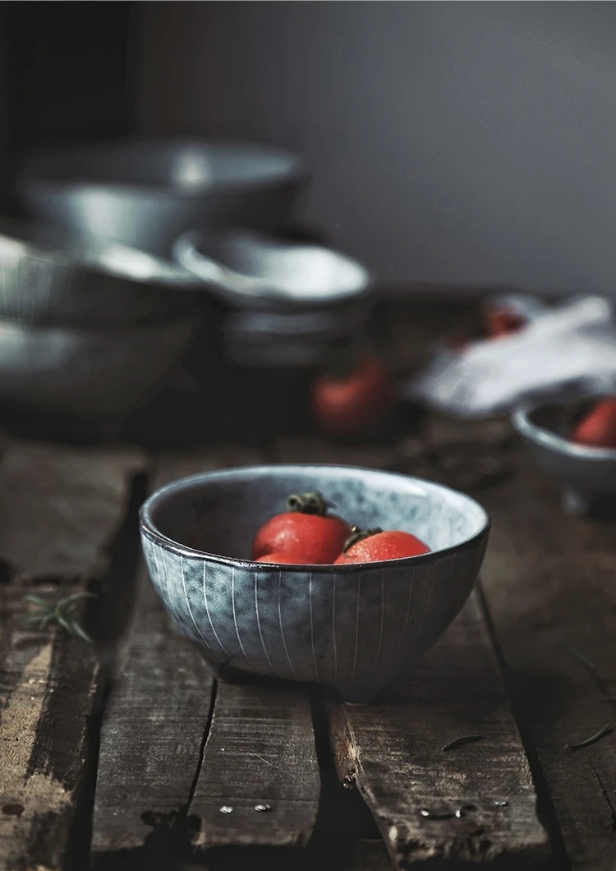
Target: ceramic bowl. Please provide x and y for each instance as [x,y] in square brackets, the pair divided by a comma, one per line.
[90,373]
[53,277]
[256,271]
[586,474]
[145,192]
[352,627]
[283,340]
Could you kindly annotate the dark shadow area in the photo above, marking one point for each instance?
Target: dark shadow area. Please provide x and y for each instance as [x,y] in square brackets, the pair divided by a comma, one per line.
[546,811]
[110,614]
[68,74]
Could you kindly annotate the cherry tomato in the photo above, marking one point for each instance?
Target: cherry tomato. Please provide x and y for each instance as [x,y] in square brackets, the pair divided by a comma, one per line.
[305,533]
[354,402]
[597,429]
[374,545]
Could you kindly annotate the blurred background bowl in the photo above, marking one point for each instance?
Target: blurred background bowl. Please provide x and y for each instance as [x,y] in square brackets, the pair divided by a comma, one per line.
[87,372]
[297,340]
[262,271]
[144,193]
[291,300]
[585,473]
[54,276]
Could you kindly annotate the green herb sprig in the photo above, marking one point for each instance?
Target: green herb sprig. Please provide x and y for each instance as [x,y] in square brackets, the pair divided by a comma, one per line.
[62,613]
[459,742]
[593,738]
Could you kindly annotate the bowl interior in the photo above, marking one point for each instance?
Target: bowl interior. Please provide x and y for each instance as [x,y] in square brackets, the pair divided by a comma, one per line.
[555,418]
[299,271]
[220,512]
[552,425]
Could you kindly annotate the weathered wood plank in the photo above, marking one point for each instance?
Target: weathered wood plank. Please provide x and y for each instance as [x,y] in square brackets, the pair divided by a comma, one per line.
[60,509]
[48,683]
[260,765]
[169,799]
[444,806]
[152,734]
[156,715]
[549,587]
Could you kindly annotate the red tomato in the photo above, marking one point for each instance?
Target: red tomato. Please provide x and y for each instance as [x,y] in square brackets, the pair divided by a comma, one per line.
[352,403]
[305,533]
[503,322]
[375,545]
[597,429]
[284,558]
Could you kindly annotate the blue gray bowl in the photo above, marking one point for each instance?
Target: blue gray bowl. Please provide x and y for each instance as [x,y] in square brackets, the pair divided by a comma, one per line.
[352,627]
[586,474]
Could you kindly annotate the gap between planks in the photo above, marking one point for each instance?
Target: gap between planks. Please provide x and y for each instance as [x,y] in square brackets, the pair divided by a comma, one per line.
[59,513]
[159,786]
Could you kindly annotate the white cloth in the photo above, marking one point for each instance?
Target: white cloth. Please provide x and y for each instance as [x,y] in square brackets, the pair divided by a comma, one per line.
[561,354]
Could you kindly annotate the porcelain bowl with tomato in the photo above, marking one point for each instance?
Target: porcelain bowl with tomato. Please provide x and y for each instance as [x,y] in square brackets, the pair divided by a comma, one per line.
[352,627]
[586,474]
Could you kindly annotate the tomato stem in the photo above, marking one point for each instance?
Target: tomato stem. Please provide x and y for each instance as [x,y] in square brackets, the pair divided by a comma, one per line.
[307,503]
[358,534]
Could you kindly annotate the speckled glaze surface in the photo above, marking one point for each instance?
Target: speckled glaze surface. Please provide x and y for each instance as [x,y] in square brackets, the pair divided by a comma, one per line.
[585,473]
[353,627]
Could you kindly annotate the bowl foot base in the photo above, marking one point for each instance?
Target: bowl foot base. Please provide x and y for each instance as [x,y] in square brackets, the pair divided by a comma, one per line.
[228,674]
[357,699]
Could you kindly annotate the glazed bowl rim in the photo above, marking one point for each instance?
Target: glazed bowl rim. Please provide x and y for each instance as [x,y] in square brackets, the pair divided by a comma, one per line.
[551,440]
[151,531]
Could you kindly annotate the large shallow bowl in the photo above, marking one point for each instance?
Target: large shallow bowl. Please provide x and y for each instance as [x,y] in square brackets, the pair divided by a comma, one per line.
[586,474]
[144,193]
[87,372]
[353,627]
[50,276]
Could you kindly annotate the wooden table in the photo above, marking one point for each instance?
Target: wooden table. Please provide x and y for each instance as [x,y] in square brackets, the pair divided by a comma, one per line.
[129,755]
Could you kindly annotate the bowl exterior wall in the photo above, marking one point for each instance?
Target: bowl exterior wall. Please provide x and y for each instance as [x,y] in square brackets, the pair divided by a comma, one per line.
[594,476]
[352,630]
[86,372]
[40,290]
[153,221]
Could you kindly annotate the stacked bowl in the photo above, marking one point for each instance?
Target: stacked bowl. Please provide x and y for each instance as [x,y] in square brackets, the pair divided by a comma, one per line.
[86,328]
[95,316]
[290,301]
[100,289]
[145,192]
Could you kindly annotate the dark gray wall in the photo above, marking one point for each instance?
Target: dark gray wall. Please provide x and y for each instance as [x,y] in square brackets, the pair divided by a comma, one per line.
[451,142]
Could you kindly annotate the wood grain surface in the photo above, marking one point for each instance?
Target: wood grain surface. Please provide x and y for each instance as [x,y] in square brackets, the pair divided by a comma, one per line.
[59,511]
